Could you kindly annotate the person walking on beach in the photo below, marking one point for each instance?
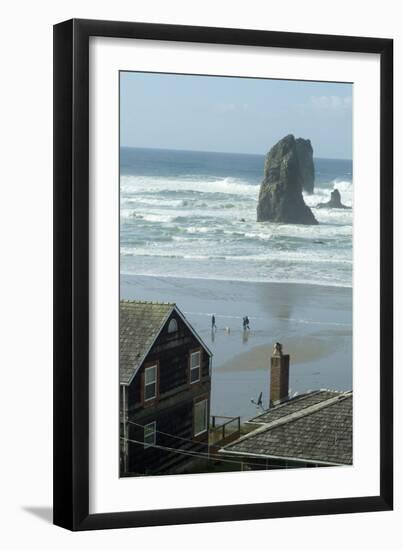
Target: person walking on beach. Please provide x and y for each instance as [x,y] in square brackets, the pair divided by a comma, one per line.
[247,322]
[213,325]
[244,322]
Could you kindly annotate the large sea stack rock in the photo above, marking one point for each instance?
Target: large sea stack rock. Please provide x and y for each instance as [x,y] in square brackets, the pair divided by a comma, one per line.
[305,158]
[335,201]
[280,196]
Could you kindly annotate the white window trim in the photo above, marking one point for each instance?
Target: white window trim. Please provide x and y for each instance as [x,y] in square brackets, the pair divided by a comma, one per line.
[198,352]
[154,427]
[149,384]
[206,416]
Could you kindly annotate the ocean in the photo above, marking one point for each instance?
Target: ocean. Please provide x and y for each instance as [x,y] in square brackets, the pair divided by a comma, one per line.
[193,214]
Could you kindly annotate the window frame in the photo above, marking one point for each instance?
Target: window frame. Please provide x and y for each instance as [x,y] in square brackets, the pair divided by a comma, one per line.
[198,403]
[147,445]
[155,382]
[199,367]
[171,322]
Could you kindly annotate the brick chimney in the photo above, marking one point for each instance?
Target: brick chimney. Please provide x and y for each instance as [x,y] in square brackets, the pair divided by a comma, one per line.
[279,375]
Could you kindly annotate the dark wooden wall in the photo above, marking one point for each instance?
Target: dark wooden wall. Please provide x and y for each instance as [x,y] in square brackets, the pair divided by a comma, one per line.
[172,352]
[175,423]
[173,407]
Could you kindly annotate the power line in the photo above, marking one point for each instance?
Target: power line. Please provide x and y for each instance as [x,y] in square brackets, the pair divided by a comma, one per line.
[171,449]
[170,435]
[174,436]
[204,456]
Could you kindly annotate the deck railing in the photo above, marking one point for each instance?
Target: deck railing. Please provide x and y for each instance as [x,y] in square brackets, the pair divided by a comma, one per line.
[224,429]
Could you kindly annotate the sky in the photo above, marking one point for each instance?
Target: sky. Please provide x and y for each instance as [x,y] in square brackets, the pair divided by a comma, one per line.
[239,115]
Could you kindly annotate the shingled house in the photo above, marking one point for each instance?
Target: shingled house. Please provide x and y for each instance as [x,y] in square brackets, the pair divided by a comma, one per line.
[165,381]
[313,429]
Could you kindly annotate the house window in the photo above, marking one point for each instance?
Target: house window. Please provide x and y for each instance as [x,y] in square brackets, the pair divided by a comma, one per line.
[150,383]
[195,362]
[200,418]
[173,325]
[150,433]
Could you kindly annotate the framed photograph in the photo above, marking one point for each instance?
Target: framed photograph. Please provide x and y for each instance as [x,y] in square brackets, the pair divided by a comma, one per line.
[223,320]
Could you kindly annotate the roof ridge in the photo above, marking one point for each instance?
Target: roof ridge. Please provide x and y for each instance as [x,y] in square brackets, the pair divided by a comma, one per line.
[301,397]
[308,410]
[150,302]
[294,416]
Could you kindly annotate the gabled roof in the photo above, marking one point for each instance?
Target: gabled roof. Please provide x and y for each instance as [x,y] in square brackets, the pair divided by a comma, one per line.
[315,427]
[140,325]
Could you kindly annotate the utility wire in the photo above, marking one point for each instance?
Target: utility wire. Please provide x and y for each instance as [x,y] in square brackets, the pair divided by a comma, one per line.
[170,435]
[175,436]
[204,456]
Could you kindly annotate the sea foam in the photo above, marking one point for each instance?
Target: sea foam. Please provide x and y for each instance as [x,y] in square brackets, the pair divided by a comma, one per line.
[195,225]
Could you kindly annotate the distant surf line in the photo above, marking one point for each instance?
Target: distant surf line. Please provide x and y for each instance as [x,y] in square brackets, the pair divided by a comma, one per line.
[235,280]
[293,320]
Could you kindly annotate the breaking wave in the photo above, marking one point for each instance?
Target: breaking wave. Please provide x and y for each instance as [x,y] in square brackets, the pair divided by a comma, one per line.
[197,225]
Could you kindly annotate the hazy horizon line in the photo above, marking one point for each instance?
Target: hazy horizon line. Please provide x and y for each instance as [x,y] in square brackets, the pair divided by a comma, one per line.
[217,152]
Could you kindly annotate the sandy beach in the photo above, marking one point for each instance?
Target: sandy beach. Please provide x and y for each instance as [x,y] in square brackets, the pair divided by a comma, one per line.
[313,322]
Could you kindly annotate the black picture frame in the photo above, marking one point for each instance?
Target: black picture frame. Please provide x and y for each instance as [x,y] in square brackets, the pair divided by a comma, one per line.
[71,274]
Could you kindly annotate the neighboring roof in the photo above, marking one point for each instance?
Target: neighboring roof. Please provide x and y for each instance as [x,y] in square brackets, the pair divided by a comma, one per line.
[314,427]
[140,325]
[295,404]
